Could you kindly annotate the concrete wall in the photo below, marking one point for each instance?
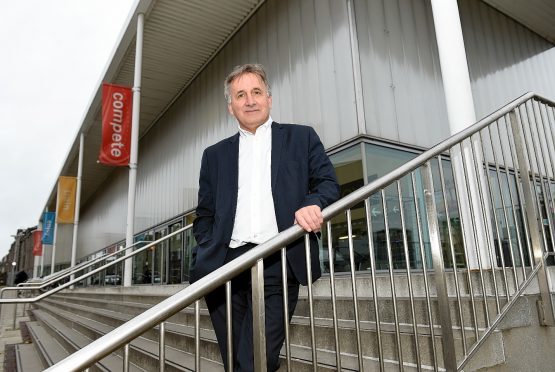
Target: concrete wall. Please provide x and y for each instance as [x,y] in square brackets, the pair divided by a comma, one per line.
[523,344]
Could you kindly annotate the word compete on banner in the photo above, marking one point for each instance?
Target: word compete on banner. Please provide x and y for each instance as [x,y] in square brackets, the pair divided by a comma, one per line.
[117,104]
[65,207]
[37,243]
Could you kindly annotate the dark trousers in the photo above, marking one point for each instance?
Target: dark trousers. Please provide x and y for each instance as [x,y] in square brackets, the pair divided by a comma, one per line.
[241,297]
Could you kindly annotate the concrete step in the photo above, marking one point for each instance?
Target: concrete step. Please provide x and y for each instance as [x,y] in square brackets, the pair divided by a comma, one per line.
[345,308]
[323,309]
[71,340]
[364,283]
[114,306]
[323,313]
[186,316]
[181,335]
[27,358]
[143,351]
[50,351]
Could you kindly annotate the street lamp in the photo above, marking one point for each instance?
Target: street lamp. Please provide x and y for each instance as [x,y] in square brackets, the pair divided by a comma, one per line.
[13,272]
[15,255]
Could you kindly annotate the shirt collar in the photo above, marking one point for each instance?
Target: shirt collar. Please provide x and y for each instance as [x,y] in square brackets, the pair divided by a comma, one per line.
[264,127]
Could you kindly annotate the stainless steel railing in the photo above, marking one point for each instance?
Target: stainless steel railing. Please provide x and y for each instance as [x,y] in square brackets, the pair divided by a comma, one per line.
[63,274]
[464,227]
[70,273]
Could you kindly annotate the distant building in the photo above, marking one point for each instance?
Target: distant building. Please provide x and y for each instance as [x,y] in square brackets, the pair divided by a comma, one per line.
[21,252]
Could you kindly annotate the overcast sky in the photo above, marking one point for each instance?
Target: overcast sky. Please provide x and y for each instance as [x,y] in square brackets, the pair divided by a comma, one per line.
[53,53]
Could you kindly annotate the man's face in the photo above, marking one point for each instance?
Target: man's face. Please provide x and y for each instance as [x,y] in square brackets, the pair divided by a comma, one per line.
[250,103]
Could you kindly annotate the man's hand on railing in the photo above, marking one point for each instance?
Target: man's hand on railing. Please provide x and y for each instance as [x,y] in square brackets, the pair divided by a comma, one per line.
[309,218]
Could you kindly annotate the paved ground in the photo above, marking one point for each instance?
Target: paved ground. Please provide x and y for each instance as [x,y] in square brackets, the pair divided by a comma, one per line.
[8,358]
[10,337]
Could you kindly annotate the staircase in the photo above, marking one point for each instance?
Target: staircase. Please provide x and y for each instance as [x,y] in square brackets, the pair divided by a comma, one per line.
[67,321]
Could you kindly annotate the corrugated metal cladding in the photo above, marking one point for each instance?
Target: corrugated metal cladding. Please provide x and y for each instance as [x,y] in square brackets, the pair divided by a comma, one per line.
[505,58]
[401,77]
[538,15]
[305,46]
[64,238]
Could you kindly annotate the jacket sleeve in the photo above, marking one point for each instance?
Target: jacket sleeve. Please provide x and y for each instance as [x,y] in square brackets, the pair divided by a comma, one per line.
[204,221]
[323,186]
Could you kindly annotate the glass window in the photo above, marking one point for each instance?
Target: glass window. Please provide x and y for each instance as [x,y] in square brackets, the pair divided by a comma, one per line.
[380,160]
[142,263]
[349,171]
[384,209]
[158,253]
[175,261]
[114,272]
[452,245]
[509,231]
[189,242]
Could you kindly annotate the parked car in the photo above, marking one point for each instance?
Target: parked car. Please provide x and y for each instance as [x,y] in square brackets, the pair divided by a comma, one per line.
[112,280]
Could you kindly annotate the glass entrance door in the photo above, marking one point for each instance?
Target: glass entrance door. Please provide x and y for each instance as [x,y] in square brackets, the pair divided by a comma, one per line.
[158,253]
[174,260]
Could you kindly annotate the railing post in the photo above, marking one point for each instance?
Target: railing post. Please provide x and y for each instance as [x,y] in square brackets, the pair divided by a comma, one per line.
[449,356]
[545,304]
[258,317]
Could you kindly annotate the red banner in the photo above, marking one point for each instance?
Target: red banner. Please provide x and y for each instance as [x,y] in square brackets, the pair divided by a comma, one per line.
[37,243]
[116,125]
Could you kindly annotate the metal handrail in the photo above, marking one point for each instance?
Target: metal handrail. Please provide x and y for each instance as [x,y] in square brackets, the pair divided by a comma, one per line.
[505,311]
[91,273]
[68,272]
[122,335]
[38,281]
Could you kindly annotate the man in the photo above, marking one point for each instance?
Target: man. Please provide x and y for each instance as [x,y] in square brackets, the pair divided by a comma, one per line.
[253,185]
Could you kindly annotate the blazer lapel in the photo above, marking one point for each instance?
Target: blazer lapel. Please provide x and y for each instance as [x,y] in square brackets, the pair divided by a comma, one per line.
[277,144]
[232,171]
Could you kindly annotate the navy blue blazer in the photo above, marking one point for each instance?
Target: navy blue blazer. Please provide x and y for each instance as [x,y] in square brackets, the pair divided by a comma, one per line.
[302,175]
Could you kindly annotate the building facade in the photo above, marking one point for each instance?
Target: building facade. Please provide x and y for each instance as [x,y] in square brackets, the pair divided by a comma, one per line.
[364,73]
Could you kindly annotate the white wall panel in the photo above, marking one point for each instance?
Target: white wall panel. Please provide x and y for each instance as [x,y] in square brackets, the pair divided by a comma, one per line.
[403,94]
[64,240]
[305,47]
[505,58]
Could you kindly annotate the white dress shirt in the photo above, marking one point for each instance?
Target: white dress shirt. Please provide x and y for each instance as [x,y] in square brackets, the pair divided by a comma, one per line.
[255,218]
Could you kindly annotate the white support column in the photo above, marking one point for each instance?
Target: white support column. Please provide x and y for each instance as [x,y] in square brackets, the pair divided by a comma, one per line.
[461,114]
[454,68]
[42,264]
[36,264]
[77,202]
[53,258]
[134,148]
[357,74]
[41,273]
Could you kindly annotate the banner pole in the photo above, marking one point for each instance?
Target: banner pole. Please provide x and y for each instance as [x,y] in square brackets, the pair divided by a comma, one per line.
[134,148]
[36,262]
[42,264]
[77,202]
[53,258]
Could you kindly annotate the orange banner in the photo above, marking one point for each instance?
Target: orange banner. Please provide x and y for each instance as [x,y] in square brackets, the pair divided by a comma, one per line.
[67,188]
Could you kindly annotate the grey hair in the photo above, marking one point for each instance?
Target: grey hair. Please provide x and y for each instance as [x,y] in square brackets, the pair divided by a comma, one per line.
[249,68]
